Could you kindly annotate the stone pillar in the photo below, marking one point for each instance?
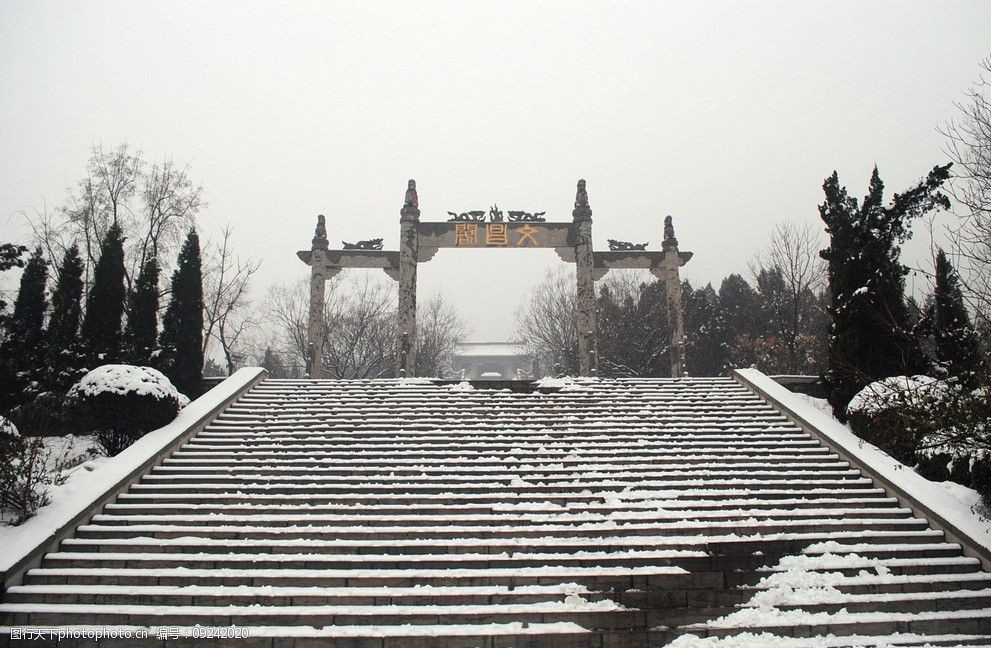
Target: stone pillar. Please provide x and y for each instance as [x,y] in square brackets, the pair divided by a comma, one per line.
[584,265]
[672,288]
[318,280]
[409,216]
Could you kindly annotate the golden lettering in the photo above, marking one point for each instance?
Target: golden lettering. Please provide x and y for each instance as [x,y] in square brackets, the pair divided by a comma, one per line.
[465,234]
[526,233]
[496,234]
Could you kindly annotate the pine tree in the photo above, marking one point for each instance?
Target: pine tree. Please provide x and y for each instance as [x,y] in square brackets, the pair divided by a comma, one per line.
[141,330]
[65,352]
[738,314]
[101,332]
[181,341]
[21,354]
[955,343]
[870,334]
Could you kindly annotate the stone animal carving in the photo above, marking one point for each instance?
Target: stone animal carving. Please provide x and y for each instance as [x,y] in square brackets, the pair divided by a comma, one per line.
[471,216]
[321,230]
[626,245]
[522,216]
[370,244]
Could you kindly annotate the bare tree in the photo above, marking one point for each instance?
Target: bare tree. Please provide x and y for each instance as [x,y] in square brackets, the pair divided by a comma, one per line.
[227,316]
[170,203]
[286,311]
[359,324]
[439,329]
[969,146]
[154,207]
[546,322]
[791,260]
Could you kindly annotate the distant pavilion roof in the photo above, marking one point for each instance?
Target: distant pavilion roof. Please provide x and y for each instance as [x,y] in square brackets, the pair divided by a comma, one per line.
[490,349]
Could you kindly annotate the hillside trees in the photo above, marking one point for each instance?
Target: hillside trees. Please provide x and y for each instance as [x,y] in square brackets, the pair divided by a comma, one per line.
[870,336]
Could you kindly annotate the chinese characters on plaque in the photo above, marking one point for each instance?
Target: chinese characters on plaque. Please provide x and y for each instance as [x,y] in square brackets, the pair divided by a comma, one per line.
[494,235]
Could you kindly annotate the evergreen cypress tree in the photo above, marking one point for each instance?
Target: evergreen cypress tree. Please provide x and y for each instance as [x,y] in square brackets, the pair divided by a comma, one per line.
[870,333]
[181,341]
[28,318]
[21,358]
[65,353]
[105,302]
[141,330]
[955,343]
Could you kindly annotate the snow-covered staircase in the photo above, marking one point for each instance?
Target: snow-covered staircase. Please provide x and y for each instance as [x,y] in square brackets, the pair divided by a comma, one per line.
[592,513]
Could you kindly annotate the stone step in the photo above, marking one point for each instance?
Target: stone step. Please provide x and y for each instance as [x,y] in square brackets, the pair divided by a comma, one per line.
[158,507]
[617,579]
[772,496]
[864,623]
[520,489]
[685,559]
[594,578]
[767,475]
[729,547]
[492,463]
[548,469]
[303,515]
[265,595]
[591,615]
[105,527]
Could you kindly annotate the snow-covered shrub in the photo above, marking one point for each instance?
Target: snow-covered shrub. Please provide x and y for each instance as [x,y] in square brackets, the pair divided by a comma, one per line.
[894,413]
[939,427]
[121,403]
[42,416]
[957,447]
[27,469]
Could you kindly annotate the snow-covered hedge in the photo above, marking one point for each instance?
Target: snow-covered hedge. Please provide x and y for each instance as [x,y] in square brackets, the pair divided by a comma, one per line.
[898,392]
[120,403]
[937,426]
[894,413]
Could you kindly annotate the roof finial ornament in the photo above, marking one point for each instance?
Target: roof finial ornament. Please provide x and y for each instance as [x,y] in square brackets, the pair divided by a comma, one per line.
[411,198]
[581,196]
[320,234]
[582,211]
[669,240]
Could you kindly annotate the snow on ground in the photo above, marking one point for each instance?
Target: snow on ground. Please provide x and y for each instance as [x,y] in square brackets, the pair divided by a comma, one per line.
[91,480]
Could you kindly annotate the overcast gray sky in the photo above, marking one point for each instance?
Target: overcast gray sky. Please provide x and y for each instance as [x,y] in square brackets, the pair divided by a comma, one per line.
[727,115]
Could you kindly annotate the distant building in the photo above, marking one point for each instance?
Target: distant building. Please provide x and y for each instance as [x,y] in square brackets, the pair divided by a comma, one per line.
[491,361]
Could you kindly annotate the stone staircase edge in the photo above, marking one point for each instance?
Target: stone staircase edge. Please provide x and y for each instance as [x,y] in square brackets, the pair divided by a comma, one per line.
[136,460]
[907,486]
